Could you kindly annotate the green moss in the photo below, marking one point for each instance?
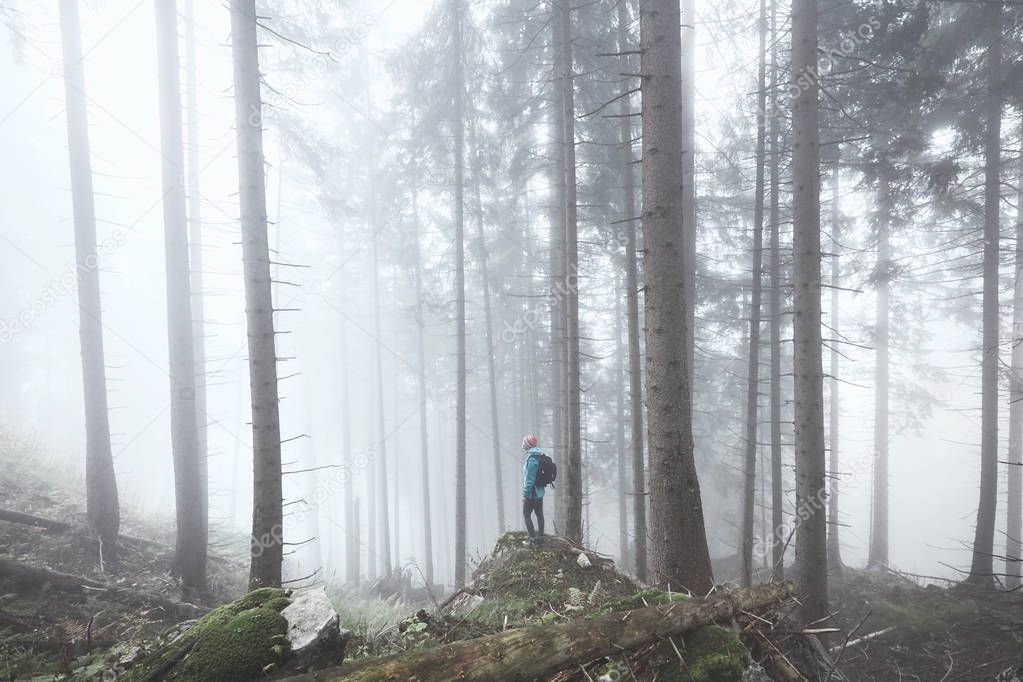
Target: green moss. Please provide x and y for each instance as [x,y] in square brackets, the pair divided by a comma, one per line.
[715,654]
[251,625]
[239,650]
[642,599]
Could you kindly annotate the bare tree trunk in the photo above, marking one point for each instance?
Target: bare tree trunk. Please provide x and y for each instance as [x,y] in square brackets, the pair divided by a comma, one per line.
[753,368]
[190,548]
[458,123]
[623,492]
[777,500]
[834,545]
[481,253]
[574,488]
[381,460]
[267,496]
[680,554]
[352,568]
[195,268]
[981,567]
[424,441]
[878,551]
[559,377]
[689,221]
[639,492]
[811,549]
[1014,512]
[102,506]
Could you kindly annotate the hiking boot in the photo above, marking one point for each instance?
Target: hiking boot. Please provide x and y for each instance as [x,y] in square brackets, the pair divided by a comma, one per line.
[537,541]
[529,541]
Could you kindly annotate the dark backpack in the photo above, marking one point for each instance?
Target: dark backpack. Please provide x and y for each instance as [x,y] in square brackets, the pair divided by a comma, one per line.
[546,472]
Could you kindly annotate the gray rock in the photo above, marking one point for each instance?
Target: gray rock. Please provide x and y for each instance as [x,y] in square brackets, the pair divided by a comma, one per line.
[314,630]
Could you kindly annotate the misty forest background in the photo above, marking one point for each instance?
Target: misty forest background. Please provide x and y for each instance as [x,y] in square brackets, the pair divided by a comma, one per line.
[367,215]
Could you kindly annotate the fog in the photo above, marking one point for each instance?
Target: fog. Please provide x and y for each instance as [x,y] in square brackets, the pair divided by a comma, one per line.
[334,124]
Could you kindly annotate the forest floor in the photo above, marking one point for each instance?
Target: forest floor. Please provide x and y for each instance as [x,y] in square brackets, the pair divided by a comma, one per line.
[956,633]
[48,632]
[49,624]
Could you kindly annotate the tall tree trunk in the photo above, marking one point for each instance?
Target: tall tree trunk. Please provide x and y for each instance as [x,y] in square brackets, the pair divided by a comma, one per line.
[689,221]
[834,545]
[777,500]
[574,488]
[267,496]
[639,492]
[424,441]
[458,123]
[102,506]
[190,547]
[623,492]
[680,554]
[811,549]
[559,378]
[878,552]
[352,568]
[984,535]
[481,254]
[753,368]
[195,267]
[1014,525]
[381,462]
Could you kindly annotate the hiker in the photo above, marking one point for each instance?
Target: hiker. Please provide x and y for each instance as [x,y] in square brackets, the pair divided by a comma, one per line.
[538,472]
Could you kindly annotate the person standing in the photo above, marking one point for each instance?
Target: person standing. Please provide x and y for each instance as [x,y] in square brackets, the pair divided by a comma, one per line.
[532,490]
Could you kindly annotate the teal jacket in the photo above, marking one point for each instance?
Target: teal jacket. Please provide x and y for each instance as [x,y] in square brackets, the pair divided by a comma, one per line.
[529,469]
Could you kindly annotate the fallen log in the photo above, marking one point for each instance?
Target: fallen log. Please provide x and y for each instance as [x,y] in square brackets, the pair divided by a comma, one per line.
[67,582]
[37,521]
[55,526]
[539,651]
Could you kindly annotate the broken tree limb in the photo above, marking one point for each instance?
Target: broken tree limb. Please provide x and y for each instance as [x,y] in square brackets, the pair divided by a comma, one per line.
[67,582]
[538,651]
[861,640]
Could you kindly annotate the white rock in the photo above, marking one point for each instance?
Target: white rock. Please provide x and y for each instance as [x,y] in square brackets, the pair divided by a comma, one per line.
[583,560]
[314,628]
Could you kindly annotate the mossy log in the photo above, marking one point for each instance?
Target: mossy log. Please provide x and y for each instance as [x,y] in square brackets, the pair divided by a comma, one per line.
[67,582]
[536,652]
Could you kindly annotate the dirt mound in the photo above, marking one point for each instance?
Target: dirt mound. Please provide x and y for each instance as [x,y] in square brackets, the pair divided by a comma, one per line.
[520,585]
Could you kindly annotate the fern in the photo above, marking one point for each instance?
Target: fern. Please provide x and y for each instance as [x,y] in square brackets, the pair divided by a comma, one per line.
[577,599]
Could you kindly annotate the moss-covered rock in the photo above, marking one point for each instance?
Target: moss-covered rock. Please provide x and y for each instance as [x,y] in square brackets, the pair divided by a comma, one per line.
[242,649]
[236,641]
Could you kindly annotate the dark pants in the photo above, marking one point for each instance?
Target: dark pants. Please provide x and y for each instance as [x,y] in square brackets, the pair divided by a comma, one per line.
[530,506]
